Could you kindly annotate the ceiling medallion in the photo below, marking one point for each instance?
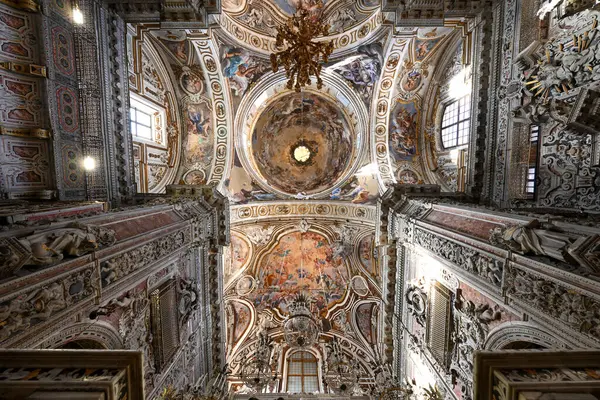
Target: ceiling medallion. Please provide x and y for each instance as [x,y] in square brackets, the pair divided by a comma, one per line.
[301,57]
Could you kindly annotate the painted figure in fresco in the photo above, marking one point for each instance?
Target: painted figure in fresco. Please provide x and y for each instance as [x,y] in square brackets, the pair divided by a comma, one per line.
[198,138]
[422,49]
[403,133]
[364,71]
[240,69]
[314,7]
[413,79]
[202,125]
[408,177]
[340,19]
[192,83]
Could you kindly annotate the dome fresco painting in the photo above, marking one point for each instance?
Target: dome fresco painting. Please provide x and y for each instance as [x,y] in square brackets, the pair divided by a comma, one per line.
[307,120]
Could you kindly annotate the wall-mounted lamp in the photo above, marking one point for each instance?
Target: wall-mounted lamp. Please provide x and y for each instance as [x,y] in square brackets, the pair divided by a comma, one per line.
[77,15]
[89,164]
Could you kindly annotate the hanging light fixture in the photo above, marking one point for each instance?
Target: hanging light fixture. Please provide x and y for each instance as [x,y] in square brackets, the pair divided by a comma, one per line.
[300,329]
[257,371]
[77,14]
[301,56]
[340,372]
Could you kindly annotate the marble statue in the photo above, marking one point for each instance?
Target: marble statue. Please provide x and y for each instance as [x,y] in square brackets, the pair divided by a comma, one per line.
[51,246]
[532,238]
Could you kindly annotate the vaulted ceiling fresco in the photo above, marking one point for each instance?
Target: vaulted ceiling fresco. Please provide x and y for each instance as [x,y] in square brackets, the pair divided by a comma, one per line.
[235,125]
[332,261]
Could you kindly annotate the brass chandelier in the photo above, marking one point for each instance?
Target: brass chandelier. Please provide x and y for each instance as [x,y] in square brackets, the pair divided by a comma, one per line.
[301,57]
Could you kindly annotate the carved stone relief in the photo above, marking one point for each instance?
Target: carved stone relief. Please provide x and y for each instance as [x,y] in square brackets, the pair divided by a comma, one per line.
[51,246]
[42,303]
[416,301]
[471,324]
[117,267]
[571,308]
[484,267]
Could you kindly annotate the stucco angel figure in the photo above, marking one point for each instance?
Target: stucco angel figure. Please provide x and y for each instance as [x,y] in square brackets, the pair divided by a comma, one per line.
[49,247]
[532,238]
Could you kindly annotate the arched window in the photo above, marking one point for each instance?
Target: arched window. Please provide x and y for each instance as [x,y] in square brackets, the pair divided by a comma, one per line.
[303,376]
[456,123]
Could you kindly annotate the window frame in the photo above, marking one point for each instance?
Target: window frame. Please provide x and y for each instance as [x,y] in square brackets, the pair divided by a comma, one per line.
[302,375]
[157,116]
[134,122]
[460,117]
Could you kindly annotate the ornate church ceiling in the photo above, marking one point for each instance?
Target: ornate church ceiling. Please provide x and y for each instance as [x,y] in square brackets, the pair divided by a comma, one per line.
[232,123]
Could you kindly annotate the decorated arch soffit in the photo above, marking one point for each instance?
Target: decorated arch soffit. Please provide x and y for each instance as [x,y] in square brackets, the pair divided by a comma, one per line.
[398,121]
[279,250]
[199,112]
[151,79]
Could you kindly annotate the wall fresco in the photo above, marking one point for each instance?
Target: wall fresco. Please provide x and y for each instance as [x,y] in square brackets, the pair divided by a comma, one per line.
[198,137]
[404,125]
[366,320]
[363,70]
[241,69]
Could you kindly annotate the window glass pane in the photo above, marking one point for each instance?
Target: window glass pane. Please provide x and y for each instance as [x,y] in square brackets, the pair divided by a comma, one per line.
[311,384]
[455,123]
[295,368]
[294,384]
[310,368]
[463,133]
[449,136]
[144,131]
[143,118]
[133,130]
[132,114]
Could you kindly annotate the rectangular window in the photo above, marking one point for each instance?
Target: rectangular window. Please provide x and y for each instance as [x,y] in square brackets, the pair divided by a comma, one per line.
[302,373]
[530,186]
[534,139]
[439,323]
[165,325]
[456,123]
[534,133]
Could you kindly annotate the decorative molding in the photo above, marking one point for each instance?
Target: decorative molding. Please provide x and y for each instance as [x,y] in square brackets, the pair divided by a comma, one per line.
[380,109]
[266,44]
[115,268]
[485,267]
[222,112]
[518,331]
[306,209]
